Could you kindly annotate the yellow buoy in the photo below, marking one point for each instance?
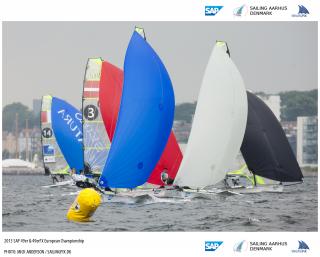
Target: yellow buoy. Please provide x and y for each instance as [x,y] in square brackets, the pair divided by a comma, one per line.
[86,203]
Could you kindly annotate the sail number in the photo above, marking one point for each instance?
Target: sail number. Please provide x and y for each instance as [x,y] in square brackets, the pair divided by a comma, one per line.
[47,132]
[91,112]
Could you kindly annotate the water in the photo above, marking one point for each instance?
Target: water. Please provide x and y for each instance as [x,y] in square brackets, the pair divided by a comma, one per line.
[27,206]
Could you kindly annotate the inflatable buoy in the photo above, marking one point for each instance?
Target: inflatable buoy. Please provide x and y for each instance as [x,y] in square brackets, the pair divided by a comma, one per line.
[84,206]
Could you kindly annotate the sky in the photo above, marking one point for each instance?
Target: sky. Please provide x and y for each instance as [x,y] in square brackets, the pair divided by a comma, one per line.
[50,57]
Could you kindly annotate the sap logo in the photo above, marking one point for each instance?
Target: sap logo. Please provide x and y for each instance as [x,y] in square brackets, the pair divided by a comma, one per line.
[212,245]
[303,247]
[212,10]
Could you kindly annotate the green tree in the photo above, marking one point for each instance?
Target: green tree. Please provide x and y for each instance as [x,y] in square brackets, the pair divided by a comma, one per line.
[185,111]
[9,116]
[5,154]
[298,103]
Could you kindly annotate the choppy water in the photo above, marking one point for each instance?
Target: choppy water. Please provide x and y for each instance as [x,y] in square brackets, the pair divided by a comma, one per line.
[27,206]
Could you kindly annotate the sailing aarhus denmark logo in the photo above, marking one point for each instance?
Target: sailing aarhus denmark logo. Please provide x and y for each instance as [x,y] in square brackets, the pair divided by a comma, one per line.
[241,246]
[240,11]
[302,248]
[212,10]
[71,123]
[303,12]
[212,245]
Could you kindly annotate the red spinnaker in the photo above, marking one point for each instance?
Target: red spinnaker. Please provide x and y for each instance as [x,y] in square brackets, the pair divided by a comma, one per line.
[110,96]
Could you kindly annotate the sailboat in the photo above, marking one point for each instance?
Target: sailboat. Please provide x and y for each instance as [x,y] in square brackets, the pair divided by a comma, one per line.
[96,144]
[266,150]
[218,127]
[61,138]
[144,121]
[241,178]
[110,96]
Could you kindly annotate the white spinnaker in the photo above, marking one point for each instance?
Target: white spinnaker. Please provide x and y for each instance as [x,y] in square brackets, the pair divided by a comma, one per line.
[219,123]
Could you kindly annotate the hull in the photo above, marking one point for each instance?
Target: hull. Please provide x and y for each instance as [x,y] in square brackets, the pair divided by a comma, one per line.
[62,183]
[187,193]
[126,196]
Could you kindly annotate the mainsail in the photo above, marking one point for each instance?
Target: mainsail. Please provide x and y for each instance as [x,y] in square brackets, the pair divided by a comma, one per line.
[110,96]
[53,160]
[144,121]
[95,140]
[265,147]
[218,125]
[66,125]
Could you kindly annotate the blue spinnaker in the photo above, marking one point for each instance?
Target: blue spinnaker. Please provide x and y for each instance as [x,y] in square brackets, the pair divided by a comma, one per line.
[67,128]
[145,118]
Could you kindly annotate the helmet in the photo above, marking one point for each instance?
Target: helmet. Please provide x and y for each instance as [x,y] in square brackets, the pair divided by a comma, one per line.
[164,175]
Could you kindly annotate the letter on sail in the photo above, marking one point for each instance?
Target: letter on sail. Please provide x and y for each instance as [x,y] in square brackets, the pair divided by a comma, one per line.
[67,132]
[218,125]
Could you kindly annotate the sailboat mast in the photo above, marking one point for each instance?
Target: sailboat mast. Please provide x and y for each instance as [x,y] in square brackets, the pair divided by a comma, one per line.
[16,135]
[254,179]
[27,138]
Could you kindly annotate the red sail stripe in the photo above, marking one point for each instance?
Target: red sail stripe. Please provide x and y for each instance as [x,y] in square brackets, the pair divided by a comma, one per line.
[90,94]
[91,84]
[110,96]
[44,117]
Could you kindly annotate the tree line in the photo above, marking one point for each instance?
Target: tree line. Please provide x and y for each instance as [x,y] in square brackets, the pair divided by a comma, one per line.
[9,117]
[293,104]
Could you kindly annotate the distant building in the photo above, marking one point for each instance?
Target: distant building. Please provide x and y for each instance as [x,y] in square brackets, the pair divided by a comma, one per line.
[9,143]
[290,129]
[33,141]
[273,102]
[307,140]
[36,106]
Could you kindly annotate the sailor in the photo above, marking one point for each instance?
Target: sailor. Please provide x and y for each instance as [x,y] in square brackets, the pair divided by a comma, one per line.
[54,179]
[235,181]
[165,178]
[81,180]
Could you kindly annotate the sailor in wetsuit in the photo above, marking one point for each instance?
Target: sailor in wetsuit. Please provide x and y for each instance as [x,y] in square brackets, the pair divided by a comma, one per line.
[81,180]
[165,178]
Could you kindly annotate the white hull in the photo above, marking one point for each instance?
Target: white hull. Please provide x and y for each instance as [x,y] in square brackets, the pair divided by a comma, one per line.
[126,196]
[61,183]
[257,189]
[187,193]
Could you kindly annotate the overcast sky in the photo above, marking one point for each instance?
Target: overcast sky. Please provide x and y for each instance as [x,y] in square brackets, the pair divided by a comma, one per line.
[50,57]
